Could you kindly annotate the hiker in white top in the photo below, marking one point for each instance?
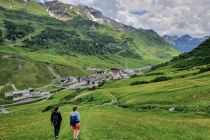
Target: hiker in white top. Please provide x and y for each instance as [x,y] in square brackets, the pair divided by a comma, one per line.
[75,122]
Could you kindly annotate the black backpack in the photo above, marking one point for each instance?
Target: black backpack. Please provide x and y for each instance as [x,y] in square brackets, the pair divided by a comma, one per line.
[73,120]
[55,118]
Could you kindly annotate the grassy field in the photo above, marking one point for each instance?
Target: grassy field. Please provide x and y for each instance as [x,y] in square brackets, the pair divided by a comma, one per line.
[107,123]
[141,111]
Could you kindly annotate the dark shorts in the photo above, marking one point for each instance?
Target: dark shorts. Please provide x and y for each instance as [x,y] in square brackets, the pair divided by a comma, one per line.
[77,127]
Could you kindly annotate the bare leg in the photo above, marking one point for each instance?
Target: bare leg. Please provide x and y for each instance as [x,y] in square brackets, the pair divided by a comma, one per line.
[77,133]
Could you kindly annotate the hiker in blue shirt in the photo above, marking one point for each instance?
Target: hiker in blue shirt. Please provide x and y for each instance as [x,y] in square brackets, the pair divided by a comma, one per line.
[75,122]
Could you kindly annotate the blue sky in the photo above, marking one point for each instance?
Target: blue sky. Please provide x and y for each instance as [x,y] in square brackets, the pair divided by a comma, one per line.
[174,17]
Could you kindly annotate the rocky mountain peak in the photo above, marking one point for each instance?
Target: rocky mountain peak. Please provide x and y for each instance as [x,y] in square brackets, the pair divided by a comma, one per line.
[184,43]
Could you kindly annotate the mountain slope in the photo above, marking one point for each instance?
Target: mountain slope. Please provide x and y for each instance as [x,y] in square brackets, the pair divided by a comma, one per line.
[67,46]
[64,11]
[79,35]
[199,57]
[31,69]
[147,38]
[27,5]
[184,43]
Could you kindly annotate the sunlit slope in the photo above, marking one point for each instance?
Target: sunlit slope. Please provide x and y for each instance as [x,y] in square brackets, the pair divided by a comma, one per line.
[197,57]
[86,37]
[29,6]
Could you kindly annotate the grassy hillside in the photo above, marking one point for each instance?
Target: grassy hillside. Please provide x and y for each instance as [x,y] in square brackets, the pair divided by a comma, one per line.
[30,6]
[141,109]
[39,41]
[85,37]
[197,58]
[26,69]
[138,107]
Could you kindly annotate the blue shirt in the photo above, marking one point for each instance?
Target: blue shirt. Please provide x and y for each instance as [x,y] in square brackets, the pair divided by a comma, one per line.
[76,113]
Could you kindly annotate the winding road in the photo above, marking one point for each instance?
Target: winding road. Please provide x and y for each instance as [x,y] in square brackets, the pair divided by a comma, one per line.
[112,97]
[28,100]
[52,71]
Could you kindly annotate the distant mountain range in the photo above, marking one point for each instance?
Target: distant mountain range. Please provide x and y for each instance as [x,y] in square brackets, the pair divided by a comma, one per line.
[184,43]
[197,57]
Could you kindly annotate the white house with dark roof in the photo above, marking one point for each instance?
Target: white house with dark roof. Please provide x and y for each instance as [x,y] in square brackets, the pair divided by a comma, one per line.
[19,95]
[23,94]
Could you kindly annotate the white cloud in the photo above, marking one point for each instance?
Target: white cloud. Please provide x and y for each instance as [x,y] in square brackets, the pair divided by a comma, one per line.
[174,17]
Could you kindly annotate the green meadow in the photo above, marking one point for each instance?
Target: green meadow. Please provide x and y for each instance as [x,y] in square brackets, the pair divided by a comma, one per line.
[119,110]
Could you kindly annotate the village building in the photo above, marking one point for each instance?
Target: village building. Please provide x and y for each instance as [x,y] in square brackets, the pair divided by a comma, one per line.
[18,95]
[118,74]
[69,80]
[23,94]
[99,77]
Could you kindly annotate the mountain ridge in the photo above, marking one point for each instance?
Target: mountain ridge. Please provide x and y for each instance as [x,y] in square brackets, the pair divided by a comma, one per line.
[149,38]
[195,59]
[71,44]
[184,43]
[55,9]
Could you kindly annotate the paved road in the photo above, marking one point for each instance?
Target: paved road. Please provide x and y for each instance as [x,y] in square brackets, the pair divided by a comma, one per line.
[143,68]
[45,99]
[14,87]
[1,87]
[28,100]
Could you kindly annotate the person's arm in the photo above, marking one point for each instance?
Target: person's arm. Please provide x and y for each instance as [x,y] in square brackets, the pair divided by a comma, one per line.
[70,120]
[51,119]
[78,116]
[60,117]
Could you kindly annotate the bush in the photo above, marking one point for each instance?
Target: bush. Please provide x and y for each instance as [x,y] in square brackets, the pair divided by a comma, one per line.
[205,69]
[208,109]
[159,66]
[85,42]
[155,73]
[17,31]
[157,79]
[66,41]
[161,78]
[71,96]
[139,83]
[183,68]
[50,107]
[1,37]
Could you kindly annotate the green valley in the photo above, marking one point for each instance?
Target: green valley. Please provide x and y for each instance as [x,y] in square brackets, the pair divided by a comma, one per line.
[168,100]
[70,44]
[140,110]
